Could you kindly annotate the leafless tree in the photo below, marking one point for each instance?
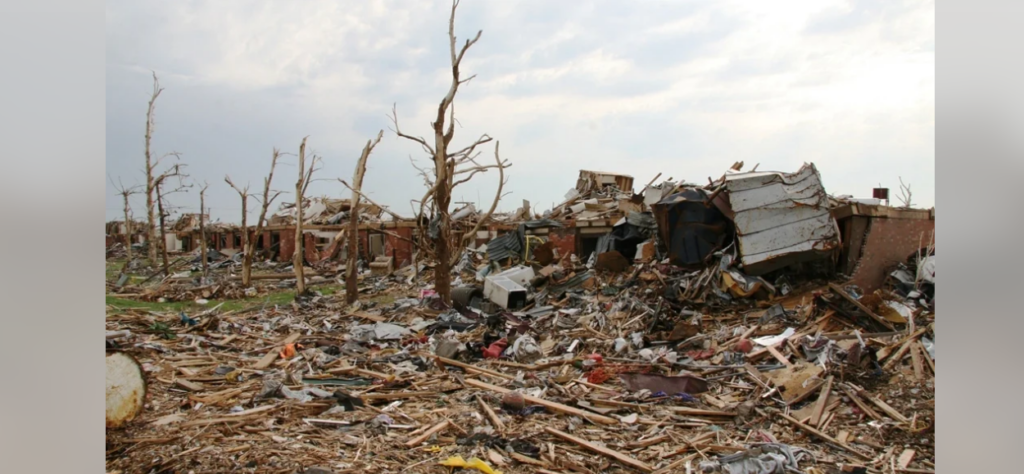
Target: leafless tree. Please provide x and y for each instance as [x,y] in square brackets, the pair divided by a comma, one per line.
[161,204]
[905,194]
[153,177]
[268,197]
[161,195]
[305,176]
[351,272]
[447,167]
[244,194]
[202,225]
[125,194]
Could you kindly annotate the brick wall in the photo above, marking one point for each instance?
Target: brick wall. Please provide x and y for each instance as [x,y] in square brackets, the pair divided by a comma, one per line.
[399,248]
[564,239]
[889,241]
[287,245]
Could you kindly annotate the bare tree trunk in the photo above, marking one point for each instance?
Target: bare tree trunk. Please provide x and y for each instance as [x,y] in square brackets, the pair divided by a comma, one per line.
[163,236]
[245,238]
[443,271]
[446,165]
[297,261]
[150,179]
[202,228]
[250,250]
[351,272]
[127,228]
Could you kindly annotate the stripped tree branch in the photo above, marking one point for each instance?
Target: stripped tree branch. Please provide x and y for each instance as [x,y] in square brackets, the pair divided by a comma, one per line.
[351,273]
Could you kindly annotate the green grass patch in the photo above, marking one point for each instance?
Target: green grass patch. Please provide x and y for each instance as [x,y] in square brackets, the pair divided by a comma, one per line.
[277,298]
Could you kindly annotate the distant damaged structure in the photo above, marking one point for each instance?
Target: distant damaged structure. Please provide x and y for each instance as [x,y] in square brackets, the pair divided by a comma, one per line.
[780,218]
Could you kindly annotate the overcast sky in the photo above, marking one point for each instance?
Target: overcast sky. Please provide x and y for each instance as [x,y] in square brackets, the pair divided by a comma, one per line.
[682,88]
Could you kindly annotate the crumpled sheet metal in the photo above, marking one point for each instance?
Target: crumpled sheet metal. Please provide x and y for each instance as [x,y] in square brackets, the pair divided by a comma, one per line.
[690,230]
[768,458]
[780,218]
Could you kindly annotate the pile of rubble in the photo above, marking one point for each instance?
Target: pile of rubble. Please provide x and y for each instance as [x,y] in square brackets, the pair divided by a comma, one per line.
[706,333]
[324,211]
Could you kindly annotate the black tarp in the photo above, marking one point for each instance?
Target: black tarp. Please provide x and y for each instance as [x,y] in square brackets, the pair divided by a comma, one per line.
[689,229]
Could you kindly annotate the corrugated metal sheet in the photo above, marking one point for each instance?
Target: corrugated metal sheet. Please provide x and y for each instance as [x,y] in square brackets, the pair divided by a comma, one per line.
[780,218]
[504,246]
[575,282]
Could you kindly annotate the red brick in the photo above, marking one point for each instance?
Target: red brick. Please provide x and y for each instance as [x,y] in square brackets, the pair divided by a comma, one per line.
[889,241]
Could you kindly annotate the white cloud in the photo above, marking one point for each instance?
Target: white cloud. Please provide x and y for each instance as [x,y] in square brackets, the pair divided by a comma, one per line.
[642,88]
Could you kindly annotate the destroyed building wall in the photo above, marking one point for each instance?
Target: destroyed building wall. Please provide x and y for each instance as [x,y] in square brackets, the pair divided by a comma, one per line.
[564,239]
[398,248]
[288,246]
[876,238]
[780,218]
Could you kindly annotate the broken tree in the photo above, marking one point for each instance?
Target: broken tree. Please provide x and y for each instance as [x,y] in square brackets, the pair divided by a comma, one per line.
[153,178]
[351,273]
[250,245]
[448,166]
[125,194]
[300,191]
[202,226]
[160,195]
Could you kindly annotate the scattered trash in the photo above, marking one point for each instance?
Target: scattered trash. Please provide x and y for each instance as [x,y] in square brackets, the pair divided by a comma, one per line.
[591,327]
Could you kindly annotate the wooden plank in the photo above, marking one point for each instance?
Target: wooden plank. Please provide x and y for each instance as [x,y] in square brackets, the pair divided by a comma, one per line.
[886,408]
[676,465]
[526,459]
[699,412]
[915,356]
[495,421]
[648,442]
[273,354]
[396,395]
[860,403]
[819,407]
[843,436]
[905,458]
[473,368]
[927,358]
[556,407]
[188,385]
[643,467]
[836,288]
[427,434]
[824,436]
[778,356]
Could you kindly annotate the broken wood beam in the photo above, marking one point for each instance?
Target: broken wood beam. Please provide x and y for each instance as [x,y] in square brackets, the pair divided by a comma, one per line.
[836,288]
[643,467]
[473,368]
[495,421]
[273,354]
[553,406]
[427,434]
[699,412]
[819,407]
[824,436]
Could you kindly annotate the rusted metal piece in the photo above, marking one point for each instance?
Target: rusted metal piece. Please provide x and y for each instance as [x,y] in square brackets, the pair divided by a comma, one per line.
[126,389]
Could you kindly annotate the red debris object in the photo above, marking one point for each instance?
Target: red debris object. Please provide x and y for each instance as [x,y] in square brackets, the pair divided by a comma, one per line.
[289,350]
[496,349]
[744,346]
[598,376]
[596,358]
[513,401]
[701,355]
